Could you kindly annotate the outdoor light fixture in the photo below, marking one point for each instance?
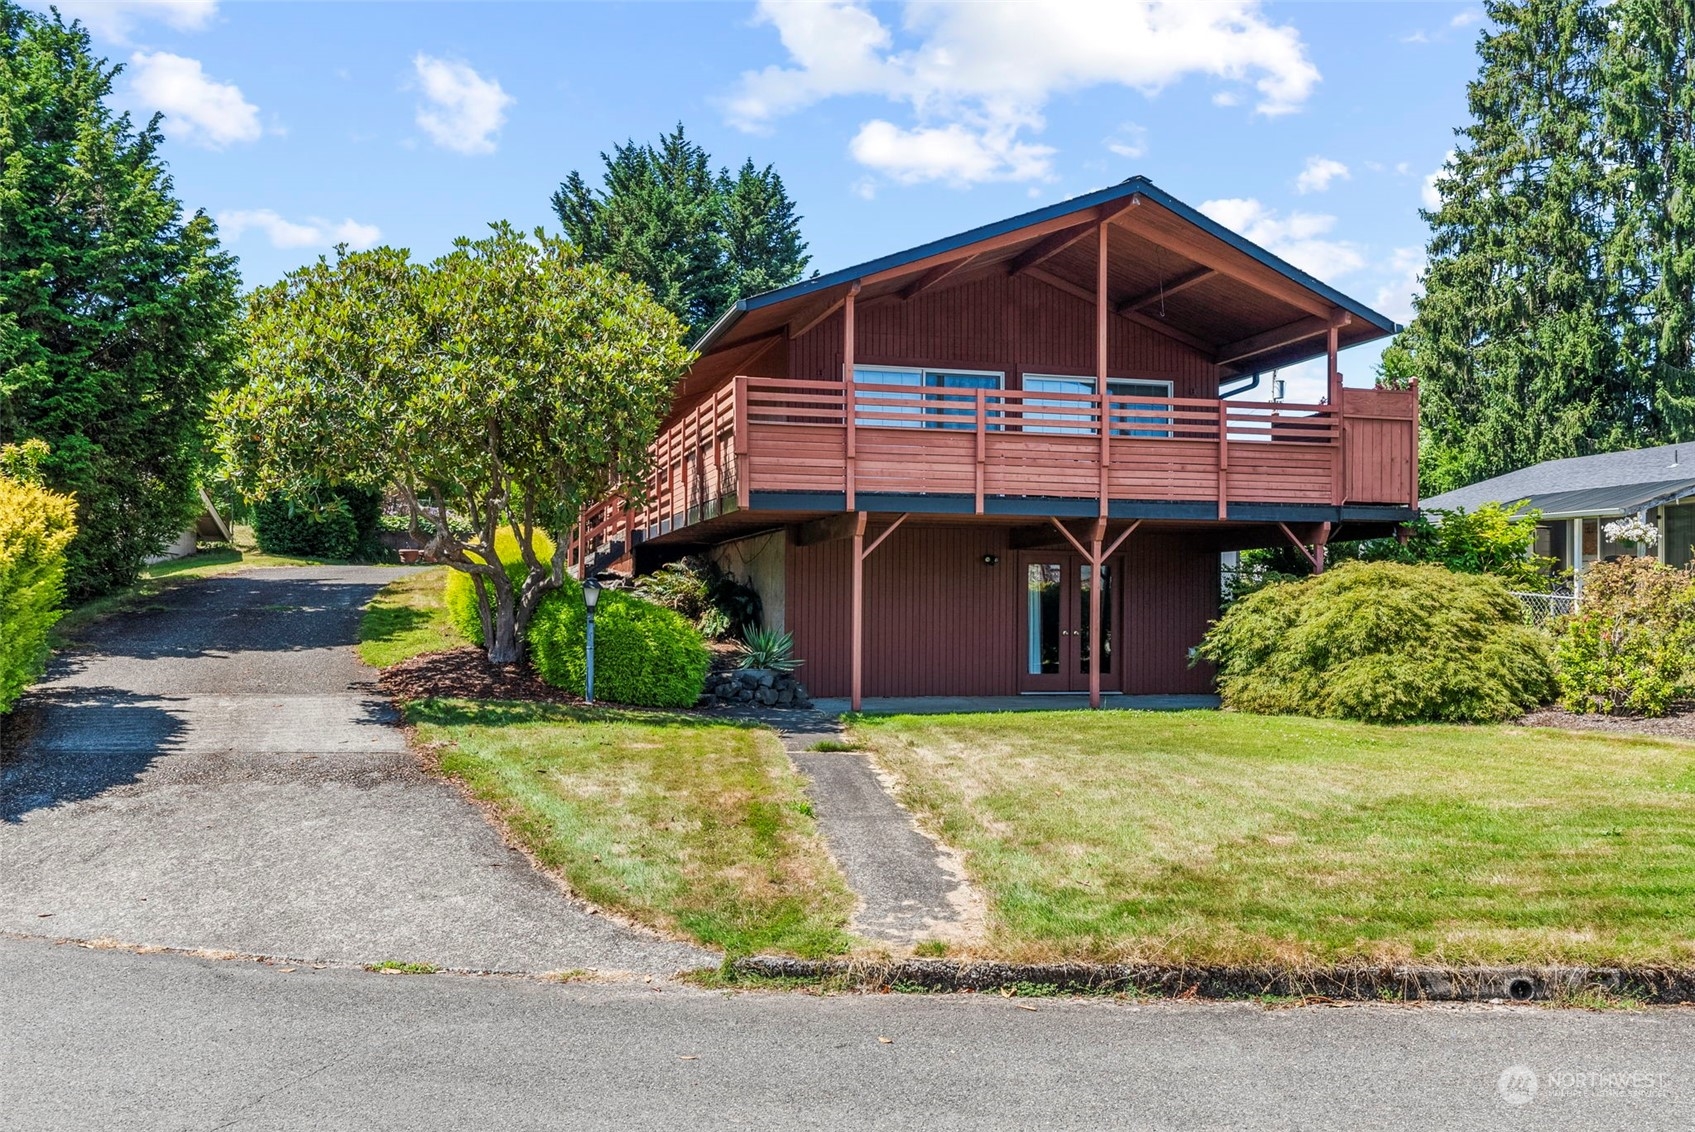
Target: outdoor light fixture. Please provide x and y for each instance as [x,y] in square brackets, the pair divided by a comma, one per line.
[591,598]
[991,559]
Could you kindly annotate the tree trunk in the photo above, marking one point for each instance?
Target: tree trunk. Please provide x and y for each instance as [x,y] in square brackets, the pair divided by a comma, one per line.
[503,646]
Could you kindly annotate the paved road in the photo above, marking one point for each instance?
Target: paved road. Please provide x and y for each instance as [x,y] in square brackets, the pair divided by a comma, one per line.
[219,772]
[100,1039]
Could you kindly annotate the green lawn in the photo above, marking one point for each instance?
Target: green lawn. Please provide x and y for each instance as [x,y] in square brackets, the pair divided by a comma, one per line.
[1216,837]
[695,826]
[406,619]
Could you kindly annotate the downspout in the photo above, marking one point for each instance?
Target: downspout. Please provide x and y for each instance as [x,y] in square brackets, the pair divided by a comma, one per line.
[1253,383]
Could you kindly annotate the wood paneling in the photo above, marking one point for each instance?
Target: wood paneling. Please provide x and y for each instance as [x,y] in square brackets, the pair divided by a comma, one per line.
[939,622]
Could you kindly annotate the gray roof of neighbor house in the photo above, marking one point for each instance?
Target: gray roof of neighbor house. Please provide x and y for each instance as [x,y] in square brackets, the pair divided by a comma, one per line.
[1613,483]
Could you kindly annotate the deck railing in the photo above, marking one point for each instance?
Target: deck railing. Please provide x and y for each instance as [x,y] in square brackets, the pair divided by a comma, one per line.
[756,434]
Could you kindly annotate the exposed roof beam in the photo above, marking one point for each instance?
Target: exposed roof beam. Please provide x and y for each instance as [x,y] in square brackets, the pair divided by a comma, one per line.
[1048,247]
[1286,335]
[828,529]
[1045,276]
[1176,286]
[1223,259]
[934,276]
[823,314]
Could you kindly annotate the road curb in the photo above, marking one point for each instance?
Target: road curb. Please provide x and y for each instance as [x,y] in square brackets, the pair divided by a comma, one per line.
[1659,985]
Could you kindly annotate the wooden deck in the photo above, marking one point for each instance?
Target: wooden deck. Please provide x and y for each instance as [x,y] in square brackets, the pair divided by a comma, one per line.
[754,435]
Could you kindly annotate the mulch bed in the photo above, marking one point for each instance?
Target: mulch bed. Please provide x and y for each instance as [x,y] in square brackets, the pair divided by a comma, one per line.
[1677,724]
[466,674]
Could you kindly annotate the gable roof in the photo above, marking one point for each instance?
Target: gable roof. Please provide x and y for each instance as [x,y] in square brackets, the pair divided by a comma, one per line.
[1610,483]
[1234,294]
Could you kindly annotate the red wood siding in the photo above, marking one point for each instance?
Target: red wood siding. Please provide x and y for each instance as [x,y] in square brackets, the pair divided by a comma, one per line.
[939,622]
[1012,325]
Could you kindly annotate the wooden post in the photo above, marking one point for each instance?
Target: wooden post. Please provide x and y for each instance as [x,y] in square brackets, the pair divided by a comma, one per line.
[740,442]
[857,647]
[1412,490]
[1101,362]
[1322,541]
[1095,650]
[982,430]
[1223,460]
[848,398]
[1338,446]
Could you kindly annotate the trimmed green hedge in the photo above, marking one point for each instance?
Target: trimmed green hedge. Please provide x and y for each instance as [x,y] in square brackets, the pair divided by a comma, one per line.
[35,527]
[1381,642]
[342,526]
[644,654]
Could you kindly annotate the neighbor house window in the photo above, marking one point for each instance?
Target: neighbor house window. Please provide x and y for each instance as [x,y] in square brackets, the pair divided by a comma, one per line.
[1127,421]
[926,386]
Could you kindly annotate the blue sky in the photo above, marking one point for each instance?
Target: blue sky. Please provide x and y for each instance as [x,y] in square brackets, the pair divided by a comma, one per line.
[1311,128]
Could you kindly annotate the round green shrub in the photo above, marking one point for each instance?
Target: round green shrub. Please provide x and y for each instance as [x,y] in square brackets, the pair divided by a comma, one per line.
[1382,642]
[644,654]
[460,595]
[342,525]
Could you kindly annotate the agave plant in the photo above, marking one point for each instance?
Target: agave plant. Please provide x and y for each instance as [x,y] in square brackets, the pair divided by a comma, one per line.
[767,648]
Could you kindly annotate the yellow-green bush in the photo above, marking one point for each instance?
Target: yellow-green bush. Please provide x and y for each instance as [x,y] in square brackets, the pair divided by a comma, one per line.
[1631,647]
[461,595]
[1381,642]
[35,527]
[644,654]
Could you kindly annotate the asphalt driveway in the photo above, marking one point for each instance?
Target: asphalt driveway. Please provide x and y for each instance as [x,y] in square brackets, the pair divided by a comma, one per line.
[218,771]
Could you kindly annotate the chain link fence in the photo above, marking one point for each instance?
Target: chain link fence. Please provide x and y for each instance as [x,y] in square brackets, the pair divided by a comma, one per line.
[1540,609]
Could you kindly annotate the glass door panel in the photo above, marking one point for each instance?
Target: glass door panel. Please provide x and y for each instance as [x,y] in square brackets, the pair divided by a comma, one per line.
[1043,609]
[1085,649]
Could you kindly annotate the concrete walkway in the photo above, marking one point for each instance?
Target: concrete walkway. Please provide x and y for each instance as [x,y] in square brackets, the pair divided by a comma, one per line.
[911,889]
[949,705]
[220,772]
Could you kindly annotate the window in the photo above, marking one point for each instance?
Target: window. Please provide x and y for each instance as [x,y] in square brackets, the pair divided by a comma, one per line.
[882,412]
[1139,420]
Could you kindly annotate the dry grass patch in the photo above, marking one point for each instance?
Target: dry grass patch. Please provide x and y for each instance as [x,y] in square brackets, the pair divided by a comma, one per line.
[1208,837]
[695,826]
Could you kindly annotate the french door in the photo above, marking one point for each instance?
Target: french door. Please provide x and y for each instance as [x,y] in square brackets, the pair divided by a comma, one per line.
[1056,651]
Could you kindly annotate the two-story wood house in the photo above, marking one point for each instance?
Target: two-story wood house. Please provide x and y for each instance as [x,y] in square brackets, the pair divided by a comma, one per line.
[1007,461]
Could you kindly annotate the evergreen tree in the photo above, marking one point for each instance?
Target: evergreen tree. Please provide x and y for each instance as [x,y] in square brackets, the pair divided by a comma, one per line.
[699,240]
[1513,342]
[1648,80]
[115,310]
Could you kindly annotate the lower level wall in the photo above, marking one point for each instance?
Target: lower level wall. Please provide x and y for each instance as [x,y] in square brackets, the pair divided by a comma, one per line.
[940,621]
[760,562]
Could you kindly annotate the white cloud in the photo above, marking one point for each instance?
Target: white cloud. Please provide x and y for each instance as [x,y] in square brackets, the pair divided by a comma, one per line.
[115,19]
[1226,98]
[1466,18]
[1395,297]
[1318,174]
[1129,140]
[197,108]
[953,153]
[1297,237]
[315,232]
[1428,192]
[464,110]
[989,70]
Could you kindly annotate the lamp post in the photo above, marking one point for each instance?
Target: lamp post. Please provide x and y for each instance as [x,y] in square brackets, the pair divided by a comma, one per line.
[591,597]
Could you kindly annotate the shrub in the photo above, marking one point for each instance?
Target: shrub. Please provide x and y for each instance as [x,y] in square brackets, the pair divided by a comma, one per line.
[341,525]
[643,653]
[1631,645]
[708,595]
[36,525]
[461,593]
[1383,642]
[767,648]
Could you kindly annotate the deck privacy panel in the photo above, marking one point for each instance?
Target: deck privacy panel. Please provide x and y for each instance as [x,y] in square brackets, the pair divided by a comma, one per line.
[1014,325]
[938,622]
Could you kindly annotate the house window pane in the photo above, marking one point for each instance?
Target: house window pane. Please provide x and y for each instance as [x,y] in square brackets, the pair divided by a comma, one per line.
[941,380]
[1140,420]
[889,409]
[1076,422]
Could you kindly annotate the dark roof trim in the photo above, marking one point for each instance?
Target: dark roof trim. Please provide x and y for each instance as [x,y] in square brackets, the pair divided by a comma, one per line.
[1623,499]
[1063,208]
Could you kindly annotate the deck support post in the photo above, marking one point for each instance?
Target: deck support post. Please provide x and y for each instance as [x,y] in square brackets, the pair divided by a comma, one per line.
[860,553]
[1333,375]
[849,488]
[1321,539]
[1101,309]
[1096,555]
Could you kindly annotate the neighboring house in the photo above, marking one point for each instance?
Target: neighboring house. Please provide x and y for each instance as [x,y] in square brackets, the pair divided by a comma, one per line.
[1579,496]
[1032,405]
